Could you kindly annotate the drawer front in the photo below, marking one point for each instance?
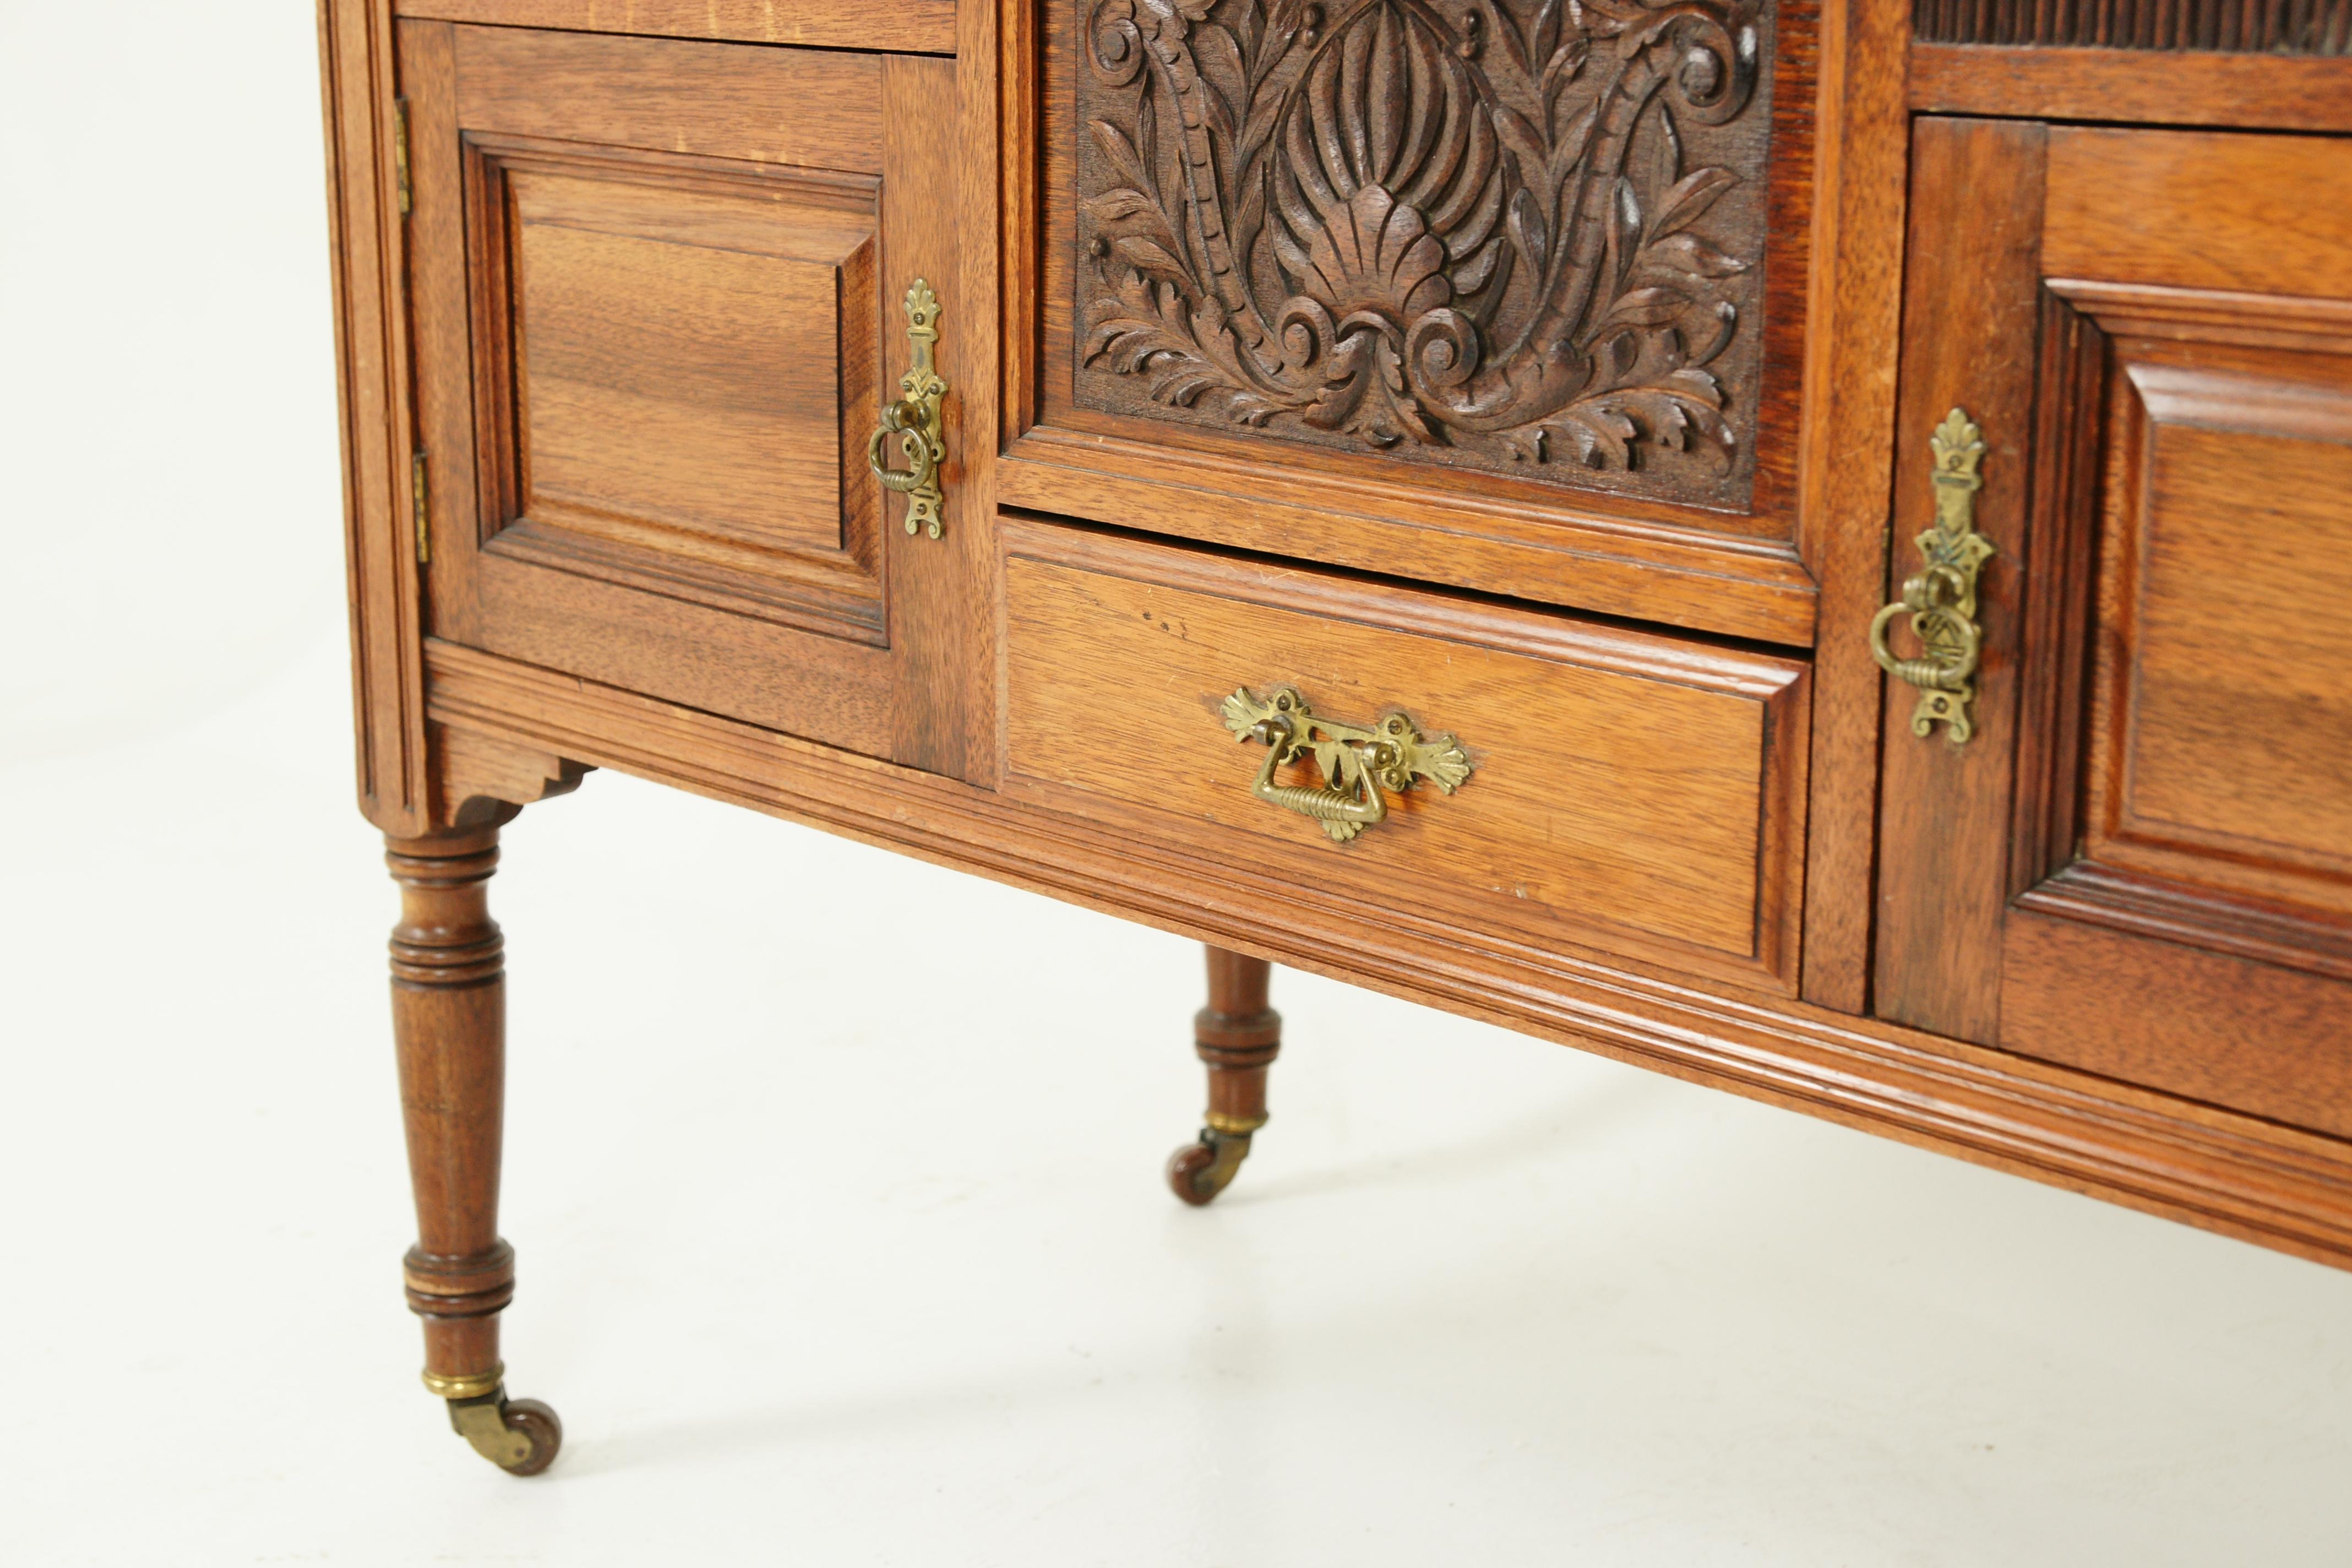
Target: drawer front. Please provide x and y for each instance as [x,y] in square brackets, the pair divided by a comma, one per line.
[1630,795]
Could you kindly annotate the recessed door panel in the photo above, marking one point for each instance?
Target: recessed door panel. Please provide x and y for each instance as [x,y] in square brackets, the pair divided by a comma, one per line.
[2226,747]
[688,347]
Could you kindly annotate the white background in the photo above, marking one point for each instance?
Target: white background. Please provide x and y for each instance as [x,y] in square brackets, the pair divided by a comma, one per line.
[834,1177]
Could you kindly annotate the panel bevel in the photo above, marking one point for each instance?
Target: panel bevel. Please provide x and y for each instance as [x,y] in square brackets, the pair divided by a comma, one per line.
[670,354]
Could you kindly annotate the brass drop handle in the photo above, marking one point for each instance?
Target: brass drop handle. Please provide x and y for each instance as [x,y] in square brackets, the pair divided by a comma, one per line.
[1362,805]
[1942,599]
[1357,762]
[915,420]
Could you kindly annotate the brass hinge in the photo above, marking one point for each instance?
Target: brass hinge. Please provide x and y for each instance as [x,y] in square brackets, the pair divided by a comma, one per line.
[400,154]
[417,495]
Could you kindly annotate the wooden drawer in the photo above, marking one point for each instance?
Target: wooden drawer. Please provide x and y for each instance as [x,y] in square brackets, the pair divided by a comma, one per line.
[1631,795]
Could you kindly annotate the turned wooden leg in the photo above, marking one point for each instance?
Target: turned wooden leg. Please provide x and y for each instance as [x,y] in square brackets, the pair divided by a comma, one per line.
[1238,1036]
[448,1019]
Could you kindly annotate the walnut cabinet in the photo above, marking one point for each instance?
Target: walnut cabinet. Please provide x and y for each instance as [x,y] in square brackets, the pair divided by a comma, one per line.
[1813,533]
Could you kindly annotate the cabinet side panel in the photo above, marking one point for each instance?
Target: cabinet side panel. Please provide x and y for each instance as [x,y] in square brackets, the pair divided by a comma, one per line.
[387,688]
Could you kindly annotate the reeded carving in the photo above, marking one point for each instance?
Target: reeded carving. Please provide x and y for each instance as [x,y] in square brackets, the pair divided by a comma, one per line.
[2235,27]
[1523,234]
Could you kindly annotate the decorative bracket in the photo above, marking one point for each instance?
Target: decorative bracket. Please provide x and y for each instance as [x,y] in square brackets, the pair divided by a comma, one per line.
[915,420]
[1942,599]
[1357,761]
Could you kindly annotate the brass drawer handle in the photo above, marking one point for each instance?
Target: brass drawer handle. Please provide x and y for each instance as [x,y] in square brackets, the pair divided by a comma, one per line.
[915,420]
[1942,599]
[1357,761]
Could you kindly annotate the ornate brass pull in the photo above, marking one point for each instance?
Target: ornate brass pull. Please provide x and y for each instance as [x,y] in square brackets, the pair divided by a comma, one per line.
[915,420]
[1357,762]
[1942,599]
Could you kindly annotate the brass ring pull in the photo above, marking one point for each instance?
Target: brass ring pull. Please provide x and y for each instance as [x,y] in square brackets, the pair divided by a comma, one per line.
[1954,642]
[1942,599]
[914,419]
[906,421]
[1357,762]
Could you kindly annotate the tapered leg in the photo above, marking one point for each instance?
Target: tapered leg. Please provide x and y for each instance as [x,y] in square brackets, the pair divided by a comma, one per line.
[448,1016]
[1238,1036]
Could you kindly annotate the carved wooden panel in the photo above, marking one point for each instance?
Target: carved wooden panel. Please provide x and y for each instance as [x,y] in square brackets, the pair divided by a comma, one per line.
[1518,236]
[2250,26]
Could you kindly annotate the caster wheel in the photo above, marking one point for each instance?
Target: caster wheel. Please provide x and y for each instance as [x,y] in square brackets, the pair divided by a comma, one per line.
[521,1436]
[1199,1171]
[542,1426]
[1187,1169]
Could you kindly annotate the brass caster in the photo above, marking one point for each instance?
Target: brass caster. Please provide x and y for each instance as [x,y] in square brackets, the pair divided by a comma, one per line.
[521,1436]
[1199,1171]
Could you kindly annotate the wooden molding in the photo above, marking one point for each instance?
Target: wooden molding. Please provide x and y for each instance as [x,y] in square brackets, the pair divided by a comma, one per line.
[2211,315]
[2235,1175]
[1858,227]
[372,357]
[2272,93]
[485,780]
[914,27]
[1585,560]
[2144,26]
[2150,906]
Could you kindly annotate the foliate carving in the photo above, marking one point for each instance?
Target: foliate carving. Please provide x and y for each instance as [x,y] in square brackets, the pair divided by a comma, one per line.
[1523,234]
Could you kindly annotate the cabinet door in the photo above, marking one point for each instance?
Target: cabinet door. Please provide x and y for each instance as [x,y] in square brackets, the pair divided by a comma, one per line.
[2140,863]
[1509,296]
[661,295]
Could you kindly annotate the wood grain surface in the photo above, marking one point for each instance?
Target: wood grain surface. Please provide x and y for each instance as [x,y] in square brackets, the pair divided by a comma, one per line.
[658,292]
[1850,379]
[2162,728]
[651,273]
[2187,88]
[448,1016]
[1632,793]
[2236,1175]
[818,109]
[1944,813]
[926,26]
[372,358]
[2264,215]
